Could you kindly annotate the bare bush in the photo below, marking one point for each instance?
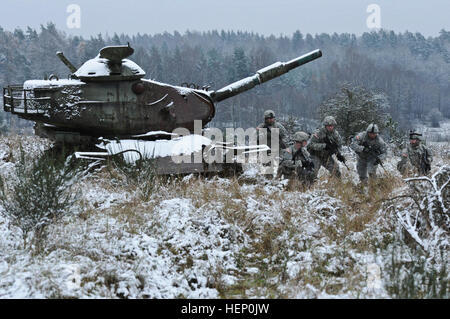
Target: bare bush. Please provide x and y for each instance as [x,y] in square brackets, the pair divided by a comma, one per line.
[423,213]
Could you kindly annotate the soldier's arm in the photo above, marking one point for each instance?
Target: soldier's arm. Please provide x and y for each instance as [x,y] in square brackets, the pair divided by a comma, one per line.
[315,143]
[356,144]
[401,165]
[339,141]
[306,154]
[286,158]
[383,149]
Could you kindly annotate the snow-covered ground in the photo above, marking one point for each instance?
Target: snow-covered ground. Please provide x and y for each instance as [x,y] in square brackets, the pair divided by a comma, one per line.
[194,237]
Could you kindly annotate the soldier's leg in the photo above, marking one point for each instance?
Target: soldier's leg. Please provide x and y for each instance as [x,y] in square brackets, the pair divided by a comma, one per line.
[332,167]
[306,176]
[372,168]
[361,167]
[317,164]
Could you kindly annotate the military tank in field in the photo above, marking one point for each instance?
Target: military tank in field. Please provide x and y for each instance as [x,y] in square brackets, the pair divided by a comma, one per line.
[108,97]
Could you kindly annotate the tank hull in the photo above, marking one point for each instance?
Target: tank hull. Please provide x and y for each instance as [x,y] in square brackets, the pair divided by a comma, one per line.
[110,108]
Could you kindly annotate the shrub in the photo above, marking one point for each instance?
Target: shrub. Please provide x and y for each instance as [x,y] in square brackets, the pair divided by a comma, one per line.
[41,194]
[418,279]
[354,108]
[139,175]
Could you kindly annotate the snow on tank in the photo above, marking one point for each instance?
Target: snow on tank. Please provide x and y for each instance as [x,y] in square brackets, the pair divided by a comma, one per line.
[32,84]
[111,64]
[101,69]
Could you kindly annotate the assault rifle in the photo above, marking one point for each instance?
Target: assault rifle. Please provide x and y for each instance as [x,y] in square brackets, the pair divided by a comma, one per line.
[375,151]
[332,147]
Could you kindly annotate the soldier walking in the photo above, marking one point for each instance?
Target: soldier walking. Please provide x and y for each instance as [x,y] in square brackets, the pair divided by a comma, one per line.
[371,151]
[416,157]
[325,142]
[296,161]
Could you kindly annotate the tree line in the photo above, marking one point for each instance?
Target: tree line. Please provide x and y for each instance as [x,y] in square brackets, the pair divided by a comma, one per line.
[412,71]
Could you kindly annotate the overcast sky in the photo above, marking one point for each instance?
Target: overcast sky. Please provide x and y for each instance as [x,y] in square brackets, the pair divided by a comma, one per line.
[260,16]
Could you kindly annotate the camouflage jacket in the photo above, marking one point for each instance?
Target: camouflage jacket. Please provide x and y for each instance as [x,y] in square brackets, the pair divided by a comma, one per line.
[368,149]
[419,157]
[296,163]
[317,144]
[291,157]
[283,138]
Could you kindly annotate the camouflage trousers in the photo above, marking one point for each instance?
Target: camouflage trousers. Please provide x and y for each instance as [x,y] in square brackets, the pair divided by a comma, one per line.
[306,176]
[328,162]
[406,168]
[364,166]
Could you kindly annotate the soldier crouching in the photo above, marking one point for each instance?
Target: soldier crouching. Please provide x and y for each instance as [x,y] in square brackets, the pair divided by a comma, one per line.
[371,151]
[296,161]
[416,157]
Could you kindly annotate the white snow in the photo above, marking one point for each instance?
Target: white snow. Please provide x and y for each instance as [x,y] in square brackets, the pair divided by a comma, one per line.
[99,67]
[32,84]
[181,89]
[160,148]
[198,238]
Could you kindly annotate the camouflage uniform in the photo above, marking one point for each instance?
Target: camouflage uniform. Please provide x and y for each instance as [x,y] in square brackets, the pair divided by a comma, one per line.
[283,135]
[297,162]
[319,148]
[371,152]
[417,157]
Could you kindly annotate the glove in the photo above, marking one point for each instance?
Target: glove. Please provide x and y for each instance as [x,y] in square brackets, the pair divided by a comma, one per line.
[308,164]
[378,161]
[367,148]
[340,157]
[289,164]
[332,148]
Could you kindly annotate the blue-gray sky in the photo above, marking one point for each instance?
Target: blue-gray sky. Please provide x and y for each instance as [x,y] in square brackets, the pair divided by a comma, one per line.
[260,16]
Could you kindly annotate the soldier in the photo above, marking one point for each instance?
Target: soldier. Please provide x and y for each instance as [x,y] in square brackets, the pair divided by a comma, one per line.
[269,124]
[325,142]
[416,156]
[296,161]
[371,151]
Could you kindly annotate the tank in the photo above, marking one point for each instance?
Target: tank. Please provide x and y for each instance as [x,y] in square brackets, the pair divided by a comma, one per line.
[109,97]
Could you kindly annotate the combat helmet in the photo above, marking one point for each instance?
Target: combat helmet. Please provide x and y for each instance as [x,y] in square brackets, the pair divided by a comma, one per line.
[372,128]
[301,136]
[329,120]
[269,114]
[415,135]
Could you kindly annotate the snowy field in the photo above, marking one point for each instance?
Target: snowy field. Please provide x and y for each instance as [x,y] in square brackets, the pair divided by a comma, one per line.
[245,237]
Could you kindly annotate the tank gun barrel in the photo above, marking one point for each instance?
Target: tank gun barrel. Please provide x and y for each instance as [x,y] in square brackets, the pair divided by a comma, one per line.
[265,74]
[64,60]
